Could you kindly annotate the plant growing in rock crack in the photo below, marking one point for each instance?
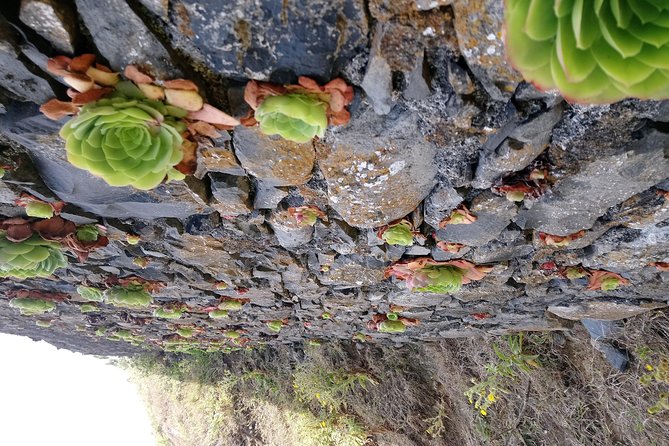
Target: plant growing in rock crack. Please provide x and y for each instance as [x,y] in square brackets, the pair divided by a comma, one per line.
[136,132]
[560,241]
[132,295]
[29,306]
[275,326]
[531,182]
[459,216]
[39,208]
[169,312]
[91,294]
[430,276]
[400,233]
[218,314]
[511,361]
[605,280]
[88,308]
[297,112]
[592,51]
[306,215]
[30,257]
[390,323]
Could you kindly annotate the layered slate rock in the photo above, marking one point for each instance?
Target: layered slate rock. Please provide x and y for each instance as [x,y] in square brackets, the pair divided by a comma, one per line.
[242,39]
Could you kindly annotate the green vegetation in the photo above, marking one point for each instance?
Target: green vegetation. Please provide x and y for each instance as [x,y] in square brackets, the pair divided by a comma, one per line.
[130,296]
[168,313]
[352,394]
[295,117]
[30,306]
[592,51]
[39,209]
[33,257]
[398,234]
[511,360]
[91,294]
[126,141]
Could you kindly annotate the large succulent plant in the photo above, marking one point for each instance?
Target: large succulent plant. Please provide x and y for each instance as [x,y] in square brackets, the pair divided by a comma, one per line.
[126,142]
[130,296]
[30,306]
[33,257]
[430,276]
[592,51]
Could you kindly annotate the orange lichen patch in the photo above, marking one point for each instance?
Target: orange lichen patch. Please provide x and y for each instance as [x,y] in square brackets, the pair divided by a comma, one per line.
[460,216]
[336,94]
[605,280]
[558,240]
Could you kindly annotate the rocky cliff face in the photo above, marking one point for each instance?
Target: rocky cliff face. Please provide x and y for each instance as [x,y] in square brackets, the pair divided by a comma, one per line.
[439,122]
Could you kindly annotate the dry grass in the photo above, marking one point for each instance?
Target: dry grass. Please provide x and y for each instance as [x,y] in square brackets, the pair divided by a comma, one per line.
[574,399]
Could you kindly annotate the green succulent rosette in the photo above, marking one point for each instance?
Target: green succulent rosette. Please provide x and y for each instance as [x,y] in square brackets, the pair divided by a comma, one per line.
[399,234]
[131,296]
[168,313]
[30,306]
[296,117]
[34,257]
[391,326]
[126,142]
[594,51]
[442,279]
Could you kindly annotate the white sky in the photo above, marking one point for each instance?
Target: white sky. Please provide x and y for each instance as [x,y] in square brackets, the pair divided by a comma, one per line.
[56,397]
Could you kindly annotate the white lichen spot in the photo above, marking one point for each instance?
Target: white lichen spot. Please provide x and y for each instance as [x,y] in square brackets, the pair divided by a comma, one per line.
[491,50]
[429,31]
[396,167]
[491,36]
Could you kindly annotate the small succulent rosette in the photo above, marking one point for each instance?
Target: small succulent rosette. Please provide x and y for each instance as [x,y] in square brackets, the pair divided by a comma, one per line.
[400,232]
[591,51]
[297,112]
[426,275]
[390,323]
[136,132]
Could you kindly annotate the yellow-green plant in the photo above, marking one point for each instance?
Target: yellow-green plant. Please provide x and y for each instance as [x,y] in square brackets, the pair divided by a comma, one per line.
[398,234]
[592,51]
[126,142]
[88,308]
[89,293]
[39,209]
[275,326]
[330,388]
[33,257]
[658,374]
[29,306]
[392,326]
[218,314]
[168,313]
[512,360]
[130,296]
[296,117]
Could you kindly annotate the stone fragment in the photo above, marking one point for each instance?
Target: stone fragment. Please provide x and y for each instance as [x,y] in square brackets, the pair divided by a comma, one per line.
[493,215]
[459,79]
[267,197]
[600,329]
[416,85]
[230,194]
[39,135]
[439,204]
[158,7]
[618,358]
[479,24]
[353,271]
[272,159]
[54,20]
[122,37]
[217,159]
[243,39]
[518,150]
[377,169]
[601,310]
[15,76]
[378,80]
[424,5]
[576,202]
[289,233]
